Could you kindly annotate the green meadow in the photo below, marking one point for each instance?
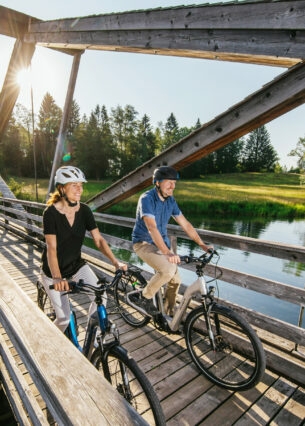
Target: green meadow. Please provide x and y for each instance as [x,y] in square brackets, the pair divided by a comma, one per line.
[270,195]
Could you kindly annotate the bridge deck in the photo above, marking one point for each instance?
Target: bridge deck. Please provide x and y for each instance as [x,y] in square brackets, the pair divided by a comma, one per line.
[187,397]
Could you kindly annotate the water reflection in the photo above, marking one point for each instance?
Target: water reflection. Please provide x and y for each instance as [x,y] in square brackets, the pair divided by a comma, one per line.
[245,228]
[284,271]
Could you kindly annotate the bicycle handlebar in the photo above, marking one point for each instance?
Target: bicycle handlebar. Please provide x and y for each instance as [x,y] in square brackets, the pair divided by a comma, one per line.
[205,258]
[82,287]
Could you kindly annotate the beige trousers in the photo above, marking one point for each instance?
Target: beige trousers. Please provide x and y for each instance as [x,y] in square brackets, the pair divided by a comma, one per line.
[166,272]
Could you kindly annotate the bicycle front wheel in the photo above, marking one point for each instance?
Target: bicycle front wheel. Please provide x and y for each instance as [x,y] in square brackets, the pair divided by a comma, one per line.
[129,380]
[236,361]
[133,317]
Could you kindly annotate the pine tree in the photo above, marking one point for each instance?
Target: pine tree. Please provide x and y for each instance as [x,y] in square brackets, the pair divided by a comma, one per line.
[299,152]
[49,118]
[258,154]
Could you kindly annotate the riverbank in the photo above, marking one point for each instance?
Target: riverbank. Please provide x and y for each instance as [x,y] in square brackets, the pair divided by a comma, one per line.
[269,195]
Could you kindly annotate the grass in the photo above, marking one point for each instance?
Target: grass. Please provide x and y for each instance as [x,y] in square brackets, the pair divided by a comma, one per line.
[240,194]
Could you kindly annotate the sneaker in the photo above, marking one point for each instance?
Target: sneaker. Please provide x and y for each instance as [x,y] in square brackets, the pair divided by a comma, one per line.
[145,305]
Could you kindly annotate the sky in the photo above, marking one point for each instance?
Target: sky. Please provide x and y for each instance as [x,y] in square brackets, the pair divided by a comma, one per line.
[189,88]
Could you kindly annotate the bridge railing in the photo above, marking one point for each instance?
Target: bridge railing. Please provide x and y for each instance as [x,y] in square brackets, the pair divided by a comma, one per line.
[275,333]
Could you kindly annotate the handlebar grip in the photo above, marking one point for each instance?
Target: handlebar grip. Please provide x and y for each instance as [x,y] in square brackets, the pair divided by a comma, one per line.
[186,259]
[51,287]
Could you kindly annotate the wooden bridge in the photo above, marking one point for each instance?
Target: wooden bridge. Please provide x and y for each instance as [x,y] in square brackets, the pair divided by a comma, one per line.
[49,382]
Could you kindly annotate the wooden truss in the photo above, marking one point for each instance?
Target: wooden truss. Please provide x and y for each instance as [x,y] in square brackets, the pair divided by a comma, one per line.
[258,32]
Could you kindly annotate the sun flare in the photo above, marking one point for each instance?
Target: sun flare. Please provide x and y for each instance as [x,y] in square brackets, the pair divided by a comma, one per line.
[23,77]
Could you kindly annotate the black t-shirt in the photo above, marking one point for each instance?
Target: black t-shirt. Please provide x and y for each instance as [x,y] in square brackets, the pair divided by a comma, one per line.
[69,238]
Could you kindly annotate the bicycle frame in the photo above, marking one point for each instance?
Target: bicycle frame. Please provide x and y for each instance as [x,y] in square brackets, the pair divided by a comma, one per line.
[198,286]
[97,319]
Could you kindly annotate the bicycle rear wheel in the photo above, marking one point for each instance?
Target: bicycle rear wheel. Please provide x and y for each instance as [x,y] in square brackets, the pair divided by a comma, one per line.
[238,362]
[128,379]
[133,317]
[44,302]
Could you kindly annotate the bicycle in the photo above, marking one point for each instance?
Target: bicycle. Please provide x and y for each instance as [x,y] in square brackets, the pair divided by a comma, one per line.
[221,343]
[109,357]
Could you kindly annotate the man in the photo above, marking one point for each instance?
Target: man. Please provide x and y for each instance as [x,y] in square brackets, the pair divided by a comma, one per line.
[151,242]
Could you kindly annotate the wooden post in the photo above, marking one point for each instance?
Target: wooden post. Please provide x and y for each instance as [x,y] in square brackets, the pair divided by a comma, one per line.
[64,121]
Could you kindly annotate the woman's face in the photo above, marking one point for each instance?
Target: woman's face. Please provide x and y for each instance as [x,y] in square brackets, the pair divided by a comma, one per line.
[73,190]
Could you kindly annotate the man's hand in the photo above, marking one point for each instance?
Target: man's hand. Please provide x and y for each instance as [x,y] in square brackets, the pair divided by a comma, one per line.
[173,258]
[210,249]
[121,265]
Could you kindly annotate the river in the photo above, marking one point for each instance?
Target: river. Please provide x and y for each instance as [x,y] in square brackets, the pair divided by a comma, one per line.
[284,271]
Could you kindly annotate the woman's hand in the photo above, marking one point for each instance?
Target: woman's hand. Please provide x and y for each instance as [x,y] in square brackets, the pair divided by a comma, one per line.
[60,284]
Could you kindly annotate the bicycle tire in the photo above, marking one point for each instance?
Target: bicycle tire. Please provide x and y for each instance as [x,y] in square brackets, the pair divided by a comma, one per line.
[239,362]
[138,392]
[44,302]
[133,317]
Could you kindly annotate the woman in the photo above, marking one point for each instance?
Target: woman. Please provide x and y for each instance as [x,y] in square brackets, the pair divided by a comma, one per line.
[65,222]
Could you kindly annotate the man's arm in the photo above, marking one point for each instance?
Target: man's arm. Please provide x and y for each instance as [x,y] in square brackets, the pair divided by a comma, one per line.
[158,240]
[191,232]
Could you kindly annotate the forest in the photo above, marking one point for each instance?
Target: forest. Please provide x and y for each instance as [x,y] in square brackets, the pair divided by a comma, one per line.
[110,144]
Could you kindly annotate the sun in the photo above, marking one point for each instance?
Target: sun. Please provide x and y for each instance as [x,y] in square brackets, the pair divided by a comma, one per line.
[23,78]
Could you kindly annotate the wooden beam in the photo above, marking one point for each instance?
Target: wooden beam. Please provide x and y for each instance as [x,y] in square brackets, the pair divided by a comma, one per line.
[13,23]
[64,121]
[20,59]
[263,32]
[272,47]
[283,94]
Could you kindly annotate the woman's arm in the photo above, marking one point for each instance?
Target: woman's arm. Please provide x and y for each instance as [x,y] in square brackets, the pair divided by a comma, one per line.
[59,283]
[104,248]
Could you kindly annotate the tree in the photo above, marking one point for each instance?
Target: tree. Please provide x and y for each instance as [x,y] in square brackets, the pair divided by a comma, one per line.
[124,128]
[146,140]
[49,118]
[227,159]
[171,132]
[11,150]
[258,154]
[299,152]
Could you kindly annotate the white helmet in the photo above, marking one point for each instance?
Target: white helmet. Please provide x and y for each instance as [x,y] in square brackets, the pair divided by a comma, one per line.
[67,174]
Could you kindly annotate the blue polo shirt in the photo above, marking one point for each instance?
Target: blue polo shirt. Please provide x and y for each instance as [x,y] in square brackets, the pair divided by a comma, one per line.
[151,205]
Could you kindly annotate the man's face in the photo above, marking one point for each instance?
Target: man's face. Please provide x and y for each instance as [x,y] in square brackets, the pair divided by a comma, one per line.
[167,187]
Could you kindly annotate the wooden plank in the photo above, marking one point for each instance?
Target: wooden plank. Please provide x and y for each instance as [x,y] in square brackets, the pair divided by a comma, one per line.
[268,405]
[20,390]
[293,412]
[70,389]
[260,14]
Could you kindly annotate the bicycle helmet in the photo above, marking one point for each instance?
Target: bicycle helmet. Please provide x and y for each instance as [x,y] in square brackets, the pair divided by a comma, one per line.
[67,174]
[165,172]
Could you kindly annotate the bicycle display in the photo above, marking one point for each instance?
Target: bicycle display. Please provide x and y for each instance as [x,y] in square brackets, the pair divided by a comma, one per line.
[102,347]
[221,343]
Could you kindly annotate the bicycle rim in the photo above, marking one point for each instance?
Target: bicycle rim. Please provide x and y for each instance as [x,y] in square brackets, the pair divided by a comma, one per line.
[128,379]
[238,362]
[44,302]
[129,314]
